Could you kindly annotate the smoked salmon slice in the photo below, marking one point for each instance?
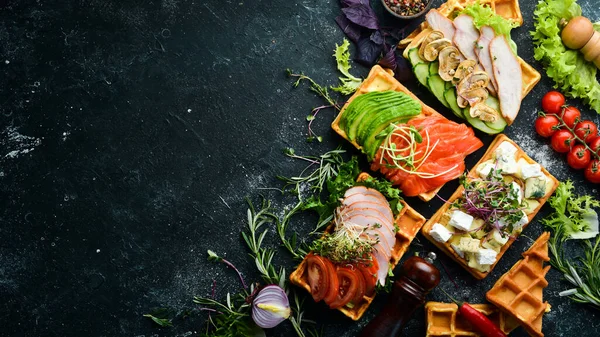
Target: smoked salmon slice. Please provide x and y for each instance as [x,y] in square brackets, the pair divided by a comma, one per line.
[440,155]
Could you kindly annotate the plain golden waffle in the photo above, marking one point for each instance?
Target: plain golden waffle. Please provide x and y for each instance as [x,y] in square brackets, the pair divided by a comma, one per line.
[380,79]
[506,8]
[443,320]
[519,291]
[408,221]
[445,246]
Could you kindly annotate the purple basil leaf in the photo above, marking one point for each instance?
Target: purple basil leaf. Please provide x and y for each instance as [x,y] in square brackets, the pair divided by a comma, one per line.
[368,51]
[377,37]
[388,60]
[362,15]
[352,30]
[403,72]
[349,3]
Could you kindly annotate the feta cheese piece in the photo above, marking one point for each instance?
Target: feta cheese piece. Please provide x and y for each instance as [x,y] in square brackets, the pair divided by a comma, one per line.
[517,190]
[486,256]
[531,171]
[505,158]
[440,233]
[535,188]
[461,220]
[484,169]
[523,221]
[469,245]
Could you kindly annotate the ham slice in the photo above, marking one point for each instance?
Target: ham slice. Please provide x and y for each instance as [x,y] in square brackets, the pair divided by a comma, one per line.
[437,21]
[483,53]
[509,78]
[466,36]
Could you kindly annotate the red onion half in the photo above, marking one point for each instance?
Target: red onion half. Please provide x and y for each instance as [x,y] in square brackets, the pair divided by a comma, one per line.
[270,307]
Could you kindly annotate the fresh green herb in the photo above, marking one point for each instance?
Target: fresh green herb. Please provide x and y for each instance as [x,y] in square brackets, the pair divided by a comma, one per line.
[484,15]
[346,244]
[492,199]
[162,322]
[568,68]
[232,317]
[349,83]
[574,216]
[319,90]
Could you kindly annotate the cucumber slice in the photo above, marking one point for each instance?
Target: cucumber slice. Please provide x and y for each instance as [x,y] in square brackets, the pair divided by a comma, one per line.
[450,96]
[479,124]
[421,71]
[434,68]
[500,124]
[414,58]
[437,87]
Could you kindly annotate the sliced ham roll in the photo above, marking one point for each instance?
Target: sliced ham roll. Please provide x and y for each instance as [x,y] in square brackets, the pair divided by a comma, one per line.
[437,21]
[486,36]
[466,36]
[507,71]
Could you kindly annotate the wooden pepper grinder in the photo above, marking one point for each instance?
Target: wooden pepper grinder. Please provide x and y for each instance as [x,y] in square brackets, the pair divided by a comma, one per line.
[417,278]
[579,34]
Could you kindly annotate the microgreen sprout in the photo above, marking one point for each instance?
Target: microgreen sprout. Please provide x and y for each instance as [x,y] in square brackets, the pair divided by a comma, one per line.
[212,256]
[400,150]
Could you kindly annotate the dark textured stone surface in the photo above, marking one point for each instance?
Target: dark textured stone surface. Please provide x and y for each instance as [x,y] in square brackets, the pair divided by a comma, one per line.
[131,131]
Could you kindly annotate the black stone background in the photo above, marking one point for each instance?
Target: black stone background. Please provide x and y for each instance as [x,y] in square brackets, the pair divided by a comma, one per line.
[130,133]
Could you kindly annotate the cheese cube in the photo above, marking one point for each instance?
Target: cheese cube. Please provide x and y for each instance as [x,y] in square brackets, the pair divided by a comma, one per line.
[496,236]
[484,169]
[531,170]
[469,245]
[517,190]
[461,220]
[508,165]
[535,187]
[440,233]
[505,151]
[458,250]
[486,256]
[523,221]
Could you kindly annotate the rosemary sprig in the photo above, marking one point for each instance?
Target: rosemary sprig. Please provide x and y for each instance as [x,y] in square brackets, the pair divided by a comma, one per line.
[162,322]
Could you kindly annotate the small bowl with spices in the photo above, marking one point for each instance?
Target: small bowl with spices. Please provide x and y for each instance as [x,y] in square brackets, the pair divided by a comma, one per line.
[407,9]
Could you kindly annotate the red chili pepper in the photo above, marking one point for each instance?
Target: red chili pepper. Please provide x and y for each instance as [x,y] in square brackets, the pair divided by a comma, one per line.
[479,321]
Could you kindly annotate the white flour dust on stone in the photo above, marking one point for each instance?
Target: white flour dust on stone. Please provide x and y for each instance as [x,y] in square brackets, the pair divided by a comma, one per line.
[542,153]
[17,144]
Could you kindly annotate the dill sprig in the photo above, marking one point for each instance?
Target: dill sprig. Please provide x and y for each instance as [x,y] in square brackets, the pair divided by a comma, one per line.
[572,215]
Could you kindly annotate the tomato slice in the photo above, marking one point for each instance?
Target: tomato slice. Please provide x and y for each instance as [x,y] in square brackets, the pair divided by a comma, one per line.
[322,277]
[369,272]
[349,284]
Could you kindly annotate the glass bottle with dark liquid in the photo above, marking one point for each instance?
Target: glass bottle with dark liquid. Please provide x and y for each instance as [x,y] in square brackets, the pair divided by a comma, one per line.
[418,277]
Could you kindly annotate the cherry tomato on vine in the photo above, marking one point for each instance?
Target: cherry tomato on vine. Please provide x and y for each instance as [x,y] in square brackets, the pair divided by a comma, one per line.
[570,116]
[562,140]
[579,157]
[595,145]
[586,130]
[546,126]
[552,102]
[592,172]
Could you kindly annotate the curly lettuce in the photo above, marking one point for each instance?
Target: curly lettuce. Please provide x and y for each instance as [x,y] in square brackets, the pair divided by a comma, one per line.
[485,16]
[571,73]
[349,83]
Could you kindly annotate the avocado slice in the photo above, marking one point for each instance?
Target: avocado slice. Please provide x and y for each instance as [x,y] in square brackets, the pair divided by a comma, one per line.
[363,105]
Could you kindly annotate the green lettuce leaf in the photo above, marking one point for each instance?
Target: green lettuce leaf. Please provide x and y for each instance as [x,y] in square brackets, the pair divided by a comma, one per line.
[349,83]
[485,16]
[571,73]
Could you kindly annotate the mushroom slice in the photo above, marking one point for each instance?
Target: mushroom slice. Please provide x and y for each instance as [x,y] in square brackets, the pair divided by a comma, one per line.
[472,81]
[464,68]
[432,36]
[449,61]
[484,112]
[432,49]
[475,96]
[463,103]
